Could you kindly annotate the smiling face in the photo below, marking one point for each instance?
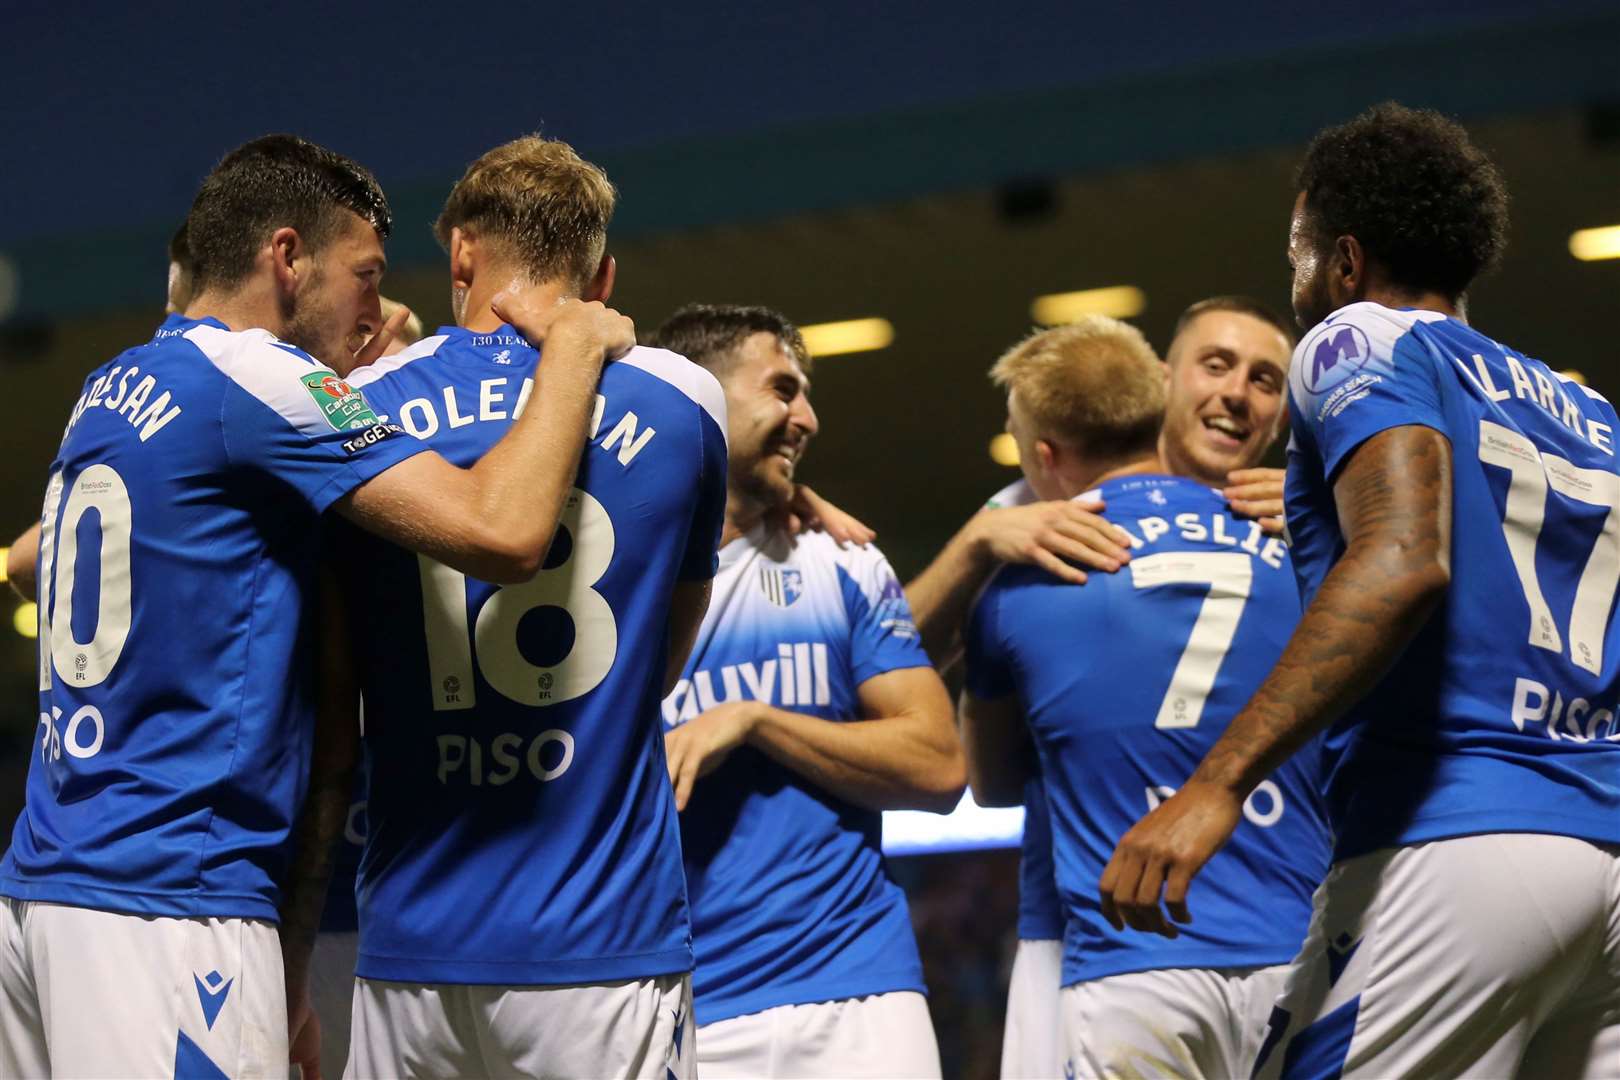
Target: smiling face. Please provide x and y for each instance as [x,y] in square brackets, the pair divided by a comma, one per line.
[337,306]
[769,420]
[1224,405]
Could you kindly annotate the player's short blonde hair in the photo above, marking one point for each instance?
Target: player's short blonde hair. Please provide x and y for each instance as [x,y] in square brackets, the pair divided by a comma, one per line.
[541,201]
[1095,385]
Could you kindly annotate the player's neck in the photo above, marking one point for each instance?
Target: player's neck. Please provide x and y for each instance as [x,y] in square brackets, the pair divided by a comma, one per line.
[743,515]
[245,309]
[1085,479]
[480,318]
[1394,296]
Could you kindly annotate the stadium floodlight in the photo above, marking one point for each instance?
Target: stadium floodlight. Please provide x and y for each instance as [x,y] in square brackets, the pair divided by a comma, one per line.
[26,619]
[1116,301]
[1004,449]
[1590,245]
[848,336]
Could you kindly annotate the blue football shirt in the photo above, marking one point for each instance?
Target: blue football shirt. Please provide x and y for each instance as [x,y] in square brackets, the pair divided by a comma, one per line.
[1125,683]
[1500,715]
[792,902]
[1040,908]
[521,825]
[178,542]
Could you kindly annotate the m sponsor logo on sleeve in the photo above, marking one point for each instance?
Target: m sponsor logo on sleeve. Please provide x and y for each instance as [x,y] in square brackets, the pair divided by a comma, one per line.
[1340,352]
[1336,370]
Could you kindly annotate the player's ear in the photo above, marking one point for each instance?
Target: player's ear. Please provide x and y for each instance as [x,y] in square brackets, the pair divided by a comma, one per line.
[462,249]
[1348,269]
[1047,454]
[286,249]
[600,287]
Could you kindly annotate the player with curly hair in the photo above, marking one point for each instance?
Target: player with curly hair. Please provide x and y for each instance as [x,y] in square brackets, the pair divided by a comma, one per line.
[1455,510]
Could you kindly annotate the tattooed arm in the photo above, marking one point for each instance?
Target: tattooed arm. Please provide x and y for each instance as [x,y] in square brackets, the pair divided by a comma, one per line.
[1394,504]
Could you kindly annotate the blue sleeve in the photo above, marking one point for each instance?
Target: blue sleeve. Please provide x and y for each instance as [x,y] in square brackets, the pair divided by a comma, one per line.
[1357,374]
[883,636]
[988,669]
[284,414]
[702,558]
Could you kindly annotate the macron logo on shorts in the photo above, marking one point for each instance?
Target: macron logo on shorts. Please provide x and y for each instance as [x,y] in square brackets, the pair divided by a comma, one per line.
[212,996]
[1339,952]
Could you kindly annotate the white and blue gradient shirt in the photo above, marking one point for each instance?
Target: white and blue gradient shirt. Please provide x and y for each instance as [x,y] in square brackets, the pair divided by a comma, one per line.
[178,543]
[791,900]
[520,826]
[1500,715]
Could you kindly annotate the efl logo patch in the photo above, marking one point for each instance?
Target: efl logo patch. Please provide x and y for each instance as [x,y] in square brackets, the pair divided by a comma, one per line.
[341,404]
[781,585]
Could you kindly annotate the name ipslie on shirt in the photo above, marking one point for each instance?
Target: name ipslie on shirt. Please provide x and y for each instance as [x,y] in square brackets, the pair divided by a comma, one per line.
[426,416]
[1211,528]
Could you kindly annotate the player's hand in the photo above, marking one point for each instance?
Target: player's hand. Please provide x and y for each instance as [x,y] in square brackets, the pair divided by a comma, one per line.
[1163,851]
[699,746]
[304,1038]
[539,317]
[1053,535]
[1257,493]
[378,343]
[809,511]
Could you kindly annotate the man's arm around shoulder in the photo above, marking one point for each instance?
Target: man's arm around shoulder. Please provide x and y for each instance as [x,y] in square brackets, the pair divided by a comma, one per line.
[495,521]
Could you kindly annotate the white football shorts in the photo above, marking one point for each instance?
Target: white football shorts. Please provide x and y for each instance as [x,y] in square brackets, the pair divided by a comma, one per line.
[1493,955]
[86,993]
[888,1036]
[1180,1022]
[640,1029]
[1032,1041]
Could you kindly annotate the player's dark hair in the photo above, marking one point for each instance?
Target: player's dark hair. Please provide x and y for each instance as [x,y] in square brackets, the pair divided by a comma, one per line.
[180,250]
[1240,305]
[1409,184]
[709,334]
[273,182]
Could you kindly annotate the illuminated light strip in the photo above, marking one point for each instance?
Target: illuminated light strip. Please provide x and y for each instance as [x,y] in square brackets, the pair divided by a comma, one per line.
[5,557]
[1115,301]
[849,336]
[1590,245]
[1004,449]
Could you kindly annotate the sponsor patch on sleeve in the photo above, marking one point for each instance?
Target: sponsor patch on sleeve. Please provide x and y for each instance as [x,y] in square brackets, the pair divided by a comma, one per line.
[370,436]
[343,406]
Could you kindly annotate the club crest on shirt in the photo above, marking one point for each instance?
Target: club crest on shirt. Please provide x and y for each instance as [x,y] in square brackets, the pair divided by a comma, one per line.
[782,585]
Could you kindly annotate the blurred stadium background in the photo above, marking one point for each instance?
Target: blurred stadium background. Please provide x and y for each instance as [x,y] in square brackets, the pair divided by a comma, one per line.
[931,170]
